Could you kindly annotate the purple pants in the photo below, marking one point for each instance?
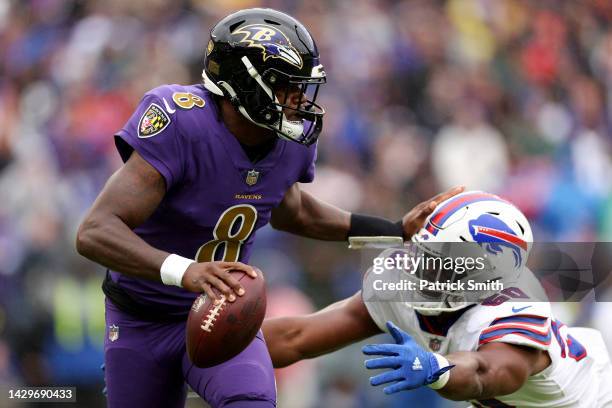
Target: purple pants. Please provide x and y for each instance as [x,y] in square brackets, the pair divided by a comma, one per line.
[146,365]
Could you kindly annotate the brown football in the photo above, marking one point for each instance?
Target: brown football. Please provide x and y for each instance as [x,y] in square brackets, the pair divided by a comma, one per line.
[216,333]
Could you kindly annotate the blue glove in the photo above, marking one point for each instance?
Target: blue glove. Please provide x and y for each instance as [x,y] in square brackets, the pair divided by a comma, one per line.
[411,366]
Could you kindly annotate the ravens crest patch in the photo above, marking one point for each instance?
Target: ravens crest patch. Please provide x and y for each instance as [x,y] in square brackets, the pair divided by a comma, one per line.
[152,121]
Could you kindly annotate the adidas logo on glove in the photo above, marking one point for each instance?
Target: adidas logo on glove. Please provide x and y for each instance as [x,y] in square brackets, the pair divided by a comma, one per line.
[416,365]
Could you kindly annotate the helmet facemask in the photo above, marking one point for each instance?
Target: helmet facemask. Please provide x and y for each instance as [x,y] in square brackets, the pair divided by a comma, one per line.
[309,114]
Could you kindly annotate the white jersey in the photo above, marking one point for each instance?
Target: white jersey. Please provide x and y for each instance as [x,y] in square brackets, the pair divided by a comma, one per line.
[580,374]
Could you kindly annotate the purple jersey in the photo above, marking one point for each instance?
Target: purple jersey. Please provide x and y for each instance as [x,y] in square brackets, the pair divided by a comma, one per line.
[216,198]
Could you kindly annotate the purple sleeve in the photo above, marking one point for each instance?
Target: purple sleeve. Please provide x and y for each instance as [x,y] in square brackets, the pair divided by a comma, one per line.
[309,172]
[152,132]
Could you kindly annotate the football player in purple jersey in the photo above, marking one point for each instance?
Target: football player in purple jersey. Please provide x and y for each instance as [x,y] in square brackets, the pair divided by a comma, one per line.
[206,166]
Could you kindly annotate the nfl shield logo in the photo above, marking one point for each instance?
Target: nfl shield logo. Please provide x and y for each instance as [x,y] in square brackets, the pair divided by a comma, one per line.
[434,344]
[113,332]
[252,177]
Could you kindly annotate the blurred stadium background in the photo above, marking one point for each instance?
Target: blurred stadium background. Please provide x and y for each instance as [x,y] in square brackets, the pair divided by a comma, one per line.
[508,96]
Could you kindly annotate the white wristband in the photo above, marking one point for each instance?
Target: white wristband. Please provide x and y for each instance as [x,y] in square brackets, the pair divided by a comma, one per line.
[173,268]
[442,362]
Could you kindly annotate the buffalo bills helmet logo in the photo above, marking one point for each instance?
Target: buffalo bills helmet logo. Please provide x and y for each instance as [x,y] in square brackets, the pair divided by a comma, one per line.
[492,234]
[272,42]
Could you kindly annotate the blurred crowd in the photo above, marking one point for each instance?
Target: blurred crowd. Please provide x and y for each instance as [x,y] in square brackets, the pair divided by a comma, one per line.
[512,97]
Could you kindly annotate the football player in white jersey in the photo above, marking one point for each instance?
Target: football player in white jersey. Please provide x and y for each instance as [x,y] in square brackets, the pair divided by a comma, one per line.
[504,349]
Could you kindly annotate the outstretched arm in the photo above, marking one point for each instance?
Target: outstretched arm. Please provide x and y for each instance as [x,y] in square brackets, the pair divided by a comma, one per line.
[495,369]
[303,214]
[295,338]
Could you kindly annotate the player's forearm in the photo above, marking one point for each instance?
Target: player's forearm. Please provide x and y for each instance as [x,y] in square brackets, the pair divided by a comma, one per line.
[465,382]
[304,215]
[109,242]
[282,338]
[323,221]
[473,377]
[291,339]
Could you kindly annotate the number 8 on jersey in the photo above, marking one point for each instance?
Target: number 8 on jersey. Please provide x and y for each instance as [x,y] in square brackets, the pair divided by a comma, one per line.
[234,227]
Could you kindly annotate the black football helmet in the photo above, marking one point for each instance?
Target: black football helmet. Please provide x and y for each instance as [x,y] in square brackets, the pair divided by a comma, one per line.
[254,53]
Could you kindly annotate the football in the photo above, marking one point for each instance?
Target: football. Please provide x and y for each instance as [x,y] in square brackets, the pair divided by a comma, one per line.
[216,333]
